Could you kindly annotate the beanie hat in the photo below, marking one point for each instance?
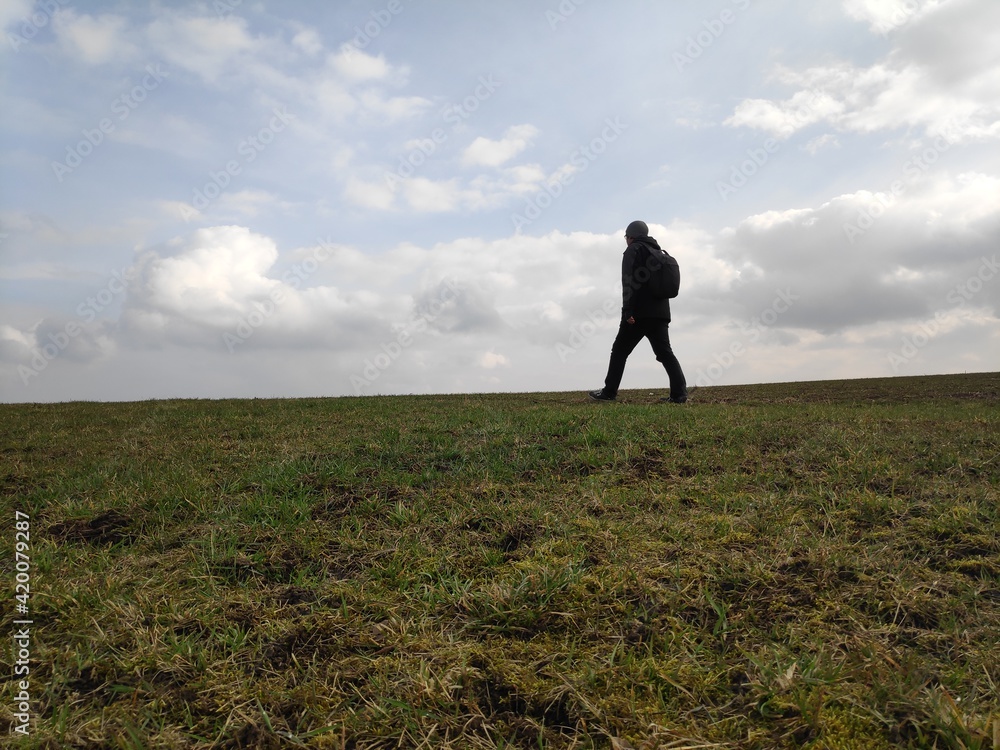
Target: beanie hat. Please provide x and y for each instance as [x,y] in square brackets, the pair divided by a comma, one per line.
[637,229]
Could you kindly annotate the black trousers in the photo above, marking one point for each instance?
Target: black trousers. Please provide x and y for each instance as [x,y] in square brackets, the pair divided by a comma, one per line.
[629,335]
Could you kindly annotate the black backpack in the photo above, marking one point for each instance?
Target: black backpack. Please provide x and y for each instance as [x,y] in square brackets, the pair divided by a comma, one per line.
[664,273]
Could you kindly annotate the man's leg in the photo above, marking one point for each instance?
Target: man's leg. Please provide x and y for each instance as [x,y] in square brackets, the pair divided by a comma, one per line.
[626,340]
[659,338]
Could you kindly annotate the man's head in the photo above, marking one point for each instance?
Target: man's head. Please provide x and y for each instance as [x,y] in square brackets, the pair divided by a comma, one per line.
[636,231]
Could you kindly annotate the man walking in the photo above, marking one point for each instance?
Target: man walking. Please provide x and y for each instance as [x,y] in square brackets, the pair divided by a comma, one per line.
[643,316]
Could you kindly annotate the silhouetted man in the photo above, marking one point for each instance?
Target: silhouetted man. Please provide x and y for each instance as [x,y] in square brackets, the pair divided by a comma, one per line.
[643,315]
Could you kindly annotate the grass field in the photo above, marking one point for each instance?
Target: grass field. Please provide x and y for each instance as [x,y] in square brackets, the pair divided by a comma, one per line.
[792,565]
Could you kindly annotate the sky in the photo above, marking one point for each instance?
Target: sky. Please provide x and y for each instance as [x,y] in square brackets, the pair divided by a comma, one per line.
[231,198]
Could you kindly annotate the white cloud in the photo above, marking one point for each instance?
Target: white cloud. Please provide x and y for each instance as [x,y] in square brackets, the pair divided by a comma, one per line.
[376,194]
[332,98]
[12,337]
[492,360]
[425,195]
[207,46]
[783,119]
[490,153]
[215,289]
[552,311]
[354,64]
[393,108]
[196,288]
[209,276]
[911,250]
[93,40]
[887,15]
[431,196]
[942,73]
[352,83]
[308,41]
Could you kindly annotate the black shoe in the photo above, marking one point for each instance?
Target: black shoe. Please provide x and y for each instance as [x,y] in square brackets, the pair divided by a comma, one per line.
[600,396]
[681,399]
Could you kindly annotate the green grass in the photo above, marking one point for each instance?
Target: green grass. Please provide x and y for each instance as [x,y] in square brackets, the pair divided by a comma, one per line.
[792,565]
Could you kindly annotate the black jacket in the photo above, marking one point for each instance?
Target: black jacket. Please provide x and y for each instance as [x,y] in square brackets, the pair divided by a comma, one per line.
[636,300]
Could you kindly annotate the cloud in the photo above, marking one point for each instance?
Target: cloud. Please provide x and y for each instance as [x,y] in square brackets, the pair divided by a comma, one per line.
[820,143]
[784,118]
[226,287]
[354,64]
[206,46]
[482,192]
[491,360]
[490,153]
[956,44]
[58,340]
[190,290]
[390,109]
[195,289]
[209,276]
[374,194]
[308,40]
[473,306]
[887,15]
[221,51]
[462,308]
[13,341]
[432,196]
[425,195]
[942,74]
[929,238]
[94,40]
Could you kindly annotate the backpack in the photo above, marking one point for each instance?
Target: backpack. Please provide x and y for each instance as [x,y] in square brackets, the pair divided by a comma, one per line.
[664,273]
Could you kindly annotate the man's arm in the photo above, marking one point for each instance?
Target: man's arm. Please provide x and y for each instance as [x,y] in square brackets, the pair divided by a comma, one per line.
[628,283]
